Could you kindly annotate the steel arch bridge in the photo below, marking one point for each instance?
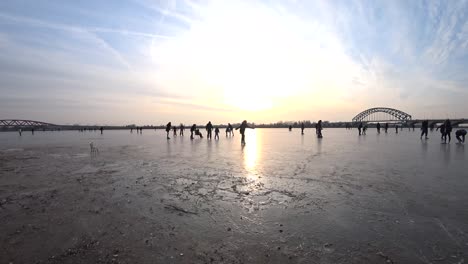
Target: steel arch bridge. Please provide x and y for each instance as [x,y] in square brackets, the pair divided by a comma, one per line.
[23,123]
[396,114]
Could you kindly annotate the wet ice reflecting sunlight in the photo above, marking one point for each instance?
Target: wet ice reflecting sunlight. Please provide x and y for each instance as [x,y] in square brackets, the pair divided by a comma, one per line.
[317,187]
[252,153]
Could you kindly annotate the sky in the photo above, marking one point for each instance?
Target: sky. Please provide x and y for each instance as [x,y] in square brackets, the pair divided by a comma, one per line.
[151,62]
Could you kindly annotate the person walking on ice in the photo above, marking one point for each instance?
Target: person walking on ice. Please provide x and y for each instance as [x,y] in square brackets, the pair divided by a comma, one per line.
[242,128]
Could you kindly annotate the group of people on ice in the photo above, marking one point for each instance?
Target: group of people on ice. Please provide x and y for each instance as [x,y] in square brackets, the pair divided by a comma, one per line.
[445,130]
[209,129]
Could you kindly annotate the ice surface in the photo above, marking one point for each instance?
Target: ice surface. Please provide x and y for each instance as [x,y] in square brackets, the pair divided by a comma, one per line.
[391,193]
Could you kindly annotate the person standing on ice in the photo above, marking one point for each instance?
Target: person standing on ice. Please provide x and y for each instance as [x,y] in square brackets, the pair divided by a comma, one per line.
[192,130]
[242,128]
[181,129]
[319,128]
[424,129]
[217,133]
[302,128]
[168,129]
[448,131]
[209,128]
[378,128]
[231,130]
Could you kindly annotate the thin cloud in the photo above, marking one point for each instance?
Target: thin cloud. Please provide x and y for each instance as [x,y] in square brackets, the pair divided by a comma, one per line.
[341,56]
[72,29]
[127,33]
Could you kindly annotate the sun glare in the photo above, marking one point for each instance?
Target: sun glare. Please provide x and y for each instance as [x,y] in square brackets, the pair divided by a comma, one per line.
[251,57]
[251,153]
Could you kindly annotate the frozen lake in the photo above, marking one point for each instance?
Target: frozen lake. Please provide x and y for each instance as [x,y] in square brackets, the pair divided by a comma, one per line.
[282,198]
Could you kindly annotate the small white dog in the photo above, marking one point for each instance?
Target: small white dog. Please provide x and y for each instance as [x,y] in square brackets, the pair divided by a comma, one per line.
[94,150]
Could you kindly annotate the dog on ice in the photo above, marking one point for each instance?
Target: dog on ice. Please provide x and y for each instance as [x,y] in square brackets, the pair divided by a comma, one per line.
[94,150]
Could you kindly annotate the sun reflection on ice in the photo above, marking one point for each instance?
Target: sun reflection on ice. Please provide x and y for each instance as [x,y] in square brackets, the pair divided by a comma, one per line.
[251,153]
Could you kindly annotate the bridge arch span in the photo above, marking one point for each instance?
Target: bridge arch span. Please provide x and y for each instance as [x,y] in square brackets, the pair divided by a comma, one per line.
[397,114]
[23,123]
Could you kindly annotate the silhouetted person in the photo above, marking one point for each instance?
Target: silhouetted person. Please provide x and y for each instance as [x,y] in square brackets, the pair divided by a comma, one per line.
[442,131]
[168,129]
[364,129]
[174,129]
[413,126]
[242,128]
[32,131]
[198,133]
[192,130]
[424,128]
[20,131]
[319,128]
[216,133]
[378,128]
[448,131]
[209,128]
[460,135]
[396,129]
[359,128]
[181,129]
[231,130]
[102,129]
[290,127]
[386,127]
[302,128]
